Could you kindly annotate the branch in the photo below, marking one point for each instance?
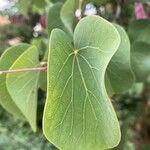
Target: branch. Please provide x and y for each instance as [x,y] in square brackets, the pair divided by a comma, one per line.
[44,69]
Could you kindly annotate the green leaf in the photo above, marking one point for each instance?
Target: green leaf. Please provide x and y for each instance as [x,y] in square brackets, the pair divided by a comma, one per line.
[55,1]
[39,3]
[144,35]
[6,60]
[99,2]
[24,6]
[43,81]
[39,43]
[23,86]
[119,71]
[38,6]
[67,14]
[136,28]
[53,18]
[137,89]
[78,113]
[140,59]
[142,1]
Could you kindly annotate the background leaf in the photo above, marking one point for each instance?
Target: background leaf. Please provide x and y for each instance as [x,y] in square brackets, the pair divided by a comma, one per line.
[23,86]
[24,6]
[119,71]
[67,14]
[97,2]
[53,18]
[144,36]
[135,29]
[78,112]
[43,81]
[6,60]
[140,59]
[55,1]
[39,4]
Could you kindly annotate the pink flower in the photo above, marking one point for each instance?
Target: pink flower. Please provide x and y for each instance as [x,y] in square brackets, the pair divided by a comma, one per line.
[139,11]
[43,21]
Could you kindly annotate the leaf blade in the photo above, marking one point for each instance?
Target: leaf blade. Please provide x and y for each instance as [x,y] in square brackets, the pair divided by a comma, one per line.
[76,103]
[119,70]
[53,18]
[140,60]
[6,60]
[67,14]
[23,86]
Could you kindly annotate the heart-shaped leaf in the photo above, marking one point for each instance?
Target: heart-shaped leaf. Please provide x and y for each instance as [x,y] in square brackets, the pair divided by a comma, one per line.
[78,112]
[119,72]
[6,60]
[22,86]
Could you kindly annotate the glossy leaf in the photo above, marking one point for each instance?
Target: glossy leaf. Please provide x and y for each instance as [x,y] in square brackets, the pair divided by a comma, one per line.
[78,113]
[23,86]
[119,72]
[140,59]
[6,60]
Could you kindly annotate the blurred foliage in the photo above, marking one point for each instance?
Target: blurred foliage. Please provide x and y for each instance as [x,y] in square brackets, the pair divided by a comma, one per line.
[11,31]
[16,135]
